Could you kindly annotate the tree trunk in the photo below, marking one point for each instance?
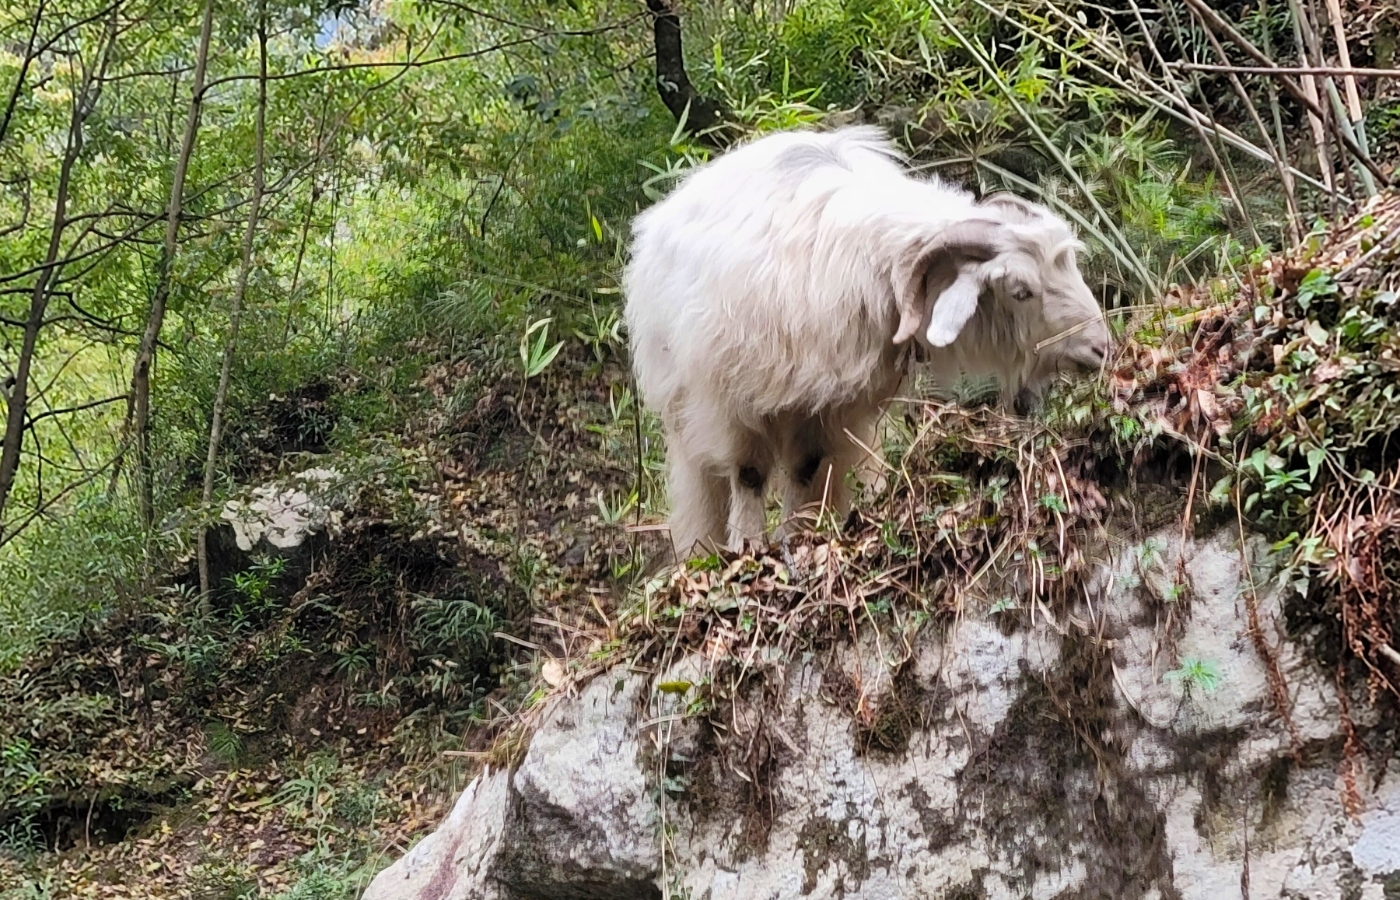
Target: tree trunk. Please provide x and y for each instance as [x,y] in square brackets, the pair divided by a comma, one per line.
[702,115]
[139,405]
[240,286]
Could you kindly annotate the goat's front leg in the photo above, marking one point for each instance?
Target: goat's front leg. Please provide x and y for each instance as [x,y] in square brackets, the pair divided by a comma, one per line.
[746,503]
[699,506]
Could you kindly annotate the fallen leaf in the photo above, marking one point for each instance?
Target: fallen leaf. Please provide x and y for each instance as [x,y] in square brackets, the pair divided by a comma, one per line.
[1328,371]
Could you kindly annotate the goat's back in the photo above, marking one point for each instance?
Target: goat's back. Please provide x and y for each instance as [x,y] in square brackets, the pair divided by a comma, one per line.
[763,281]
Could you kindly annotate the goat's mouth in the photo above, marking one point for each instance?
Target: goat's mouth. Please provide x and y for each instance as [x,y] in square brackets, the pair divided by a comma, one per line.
[1089,358]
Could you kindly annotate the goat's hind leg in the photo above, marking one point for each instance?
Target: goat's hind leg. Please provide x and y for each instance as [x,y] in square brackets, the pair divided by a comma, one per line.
[814,479]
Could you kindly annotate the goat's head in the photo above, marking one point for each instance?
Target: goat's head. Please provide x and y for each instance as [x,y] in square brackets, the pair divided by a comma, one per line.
[1009,274]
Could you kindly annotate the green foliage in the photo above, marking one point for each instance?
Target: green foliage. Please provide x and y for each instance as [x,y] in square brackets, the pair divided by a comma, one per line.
[253,590]
[311,793]
[323,884]
[613,511]
[222,879]
[24,790]
[535,357]
[1005,604]
[454,622]
[357,805]
[224,742]
[1195,675]
[1336,378]
[602,332]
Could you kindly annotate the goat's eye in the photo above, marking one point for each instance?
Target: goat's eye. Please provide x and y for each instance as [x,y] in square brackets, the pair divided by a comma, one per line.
[1021,293]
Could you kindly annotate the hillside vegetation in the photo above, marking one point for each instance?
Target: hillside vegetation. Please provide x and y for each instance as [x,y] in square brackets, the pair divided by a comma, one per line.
[246,242]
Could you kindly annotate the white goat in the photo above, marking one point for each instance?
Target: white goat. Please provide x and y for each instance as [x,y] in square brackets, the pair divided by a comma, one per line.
[771,296]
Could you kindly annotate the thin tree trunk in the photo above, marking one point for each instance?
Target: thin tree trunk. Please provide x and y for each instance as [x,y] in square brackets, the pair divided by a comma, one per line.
[240,286]
[17,401]
[139,408]
[296,265]
[702,115]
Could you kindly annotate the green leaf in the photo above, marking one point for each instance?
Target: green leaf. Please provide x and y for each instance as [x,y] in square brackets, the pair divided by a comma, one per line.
[1220,492]
[1315,459]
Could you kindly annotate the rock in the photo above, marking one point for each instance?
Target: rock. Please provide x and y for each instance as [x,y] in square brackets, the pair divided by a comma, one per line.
[283,516]
[291,521]
[575,820]
[1377,851]
[456,860]
[1057,761]
[585,823]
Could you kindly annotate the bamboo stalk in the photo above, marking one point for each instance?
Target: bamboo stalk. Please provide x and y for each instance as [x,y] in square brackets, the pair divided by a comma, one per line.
[1339,34]
[1294,90]
[1309,85]
[1290,201]
[1295,228]
[1050,146]
[1168,103]
[1225,174]
[1308,17]
[1336,111]
[1346,71]
[1341,113]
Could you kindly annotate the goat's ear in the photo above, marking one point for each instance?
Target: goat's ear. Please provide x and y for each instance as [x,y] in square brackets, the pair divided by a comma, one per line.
[962,247]
[1007,201]
[1063,256]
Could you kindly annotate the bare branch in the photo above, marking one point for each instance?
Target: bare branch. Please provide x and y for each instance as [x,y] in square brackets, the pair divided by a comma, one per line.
[29,55]
[9,533]
[67,410]
[17,401]
[391,64]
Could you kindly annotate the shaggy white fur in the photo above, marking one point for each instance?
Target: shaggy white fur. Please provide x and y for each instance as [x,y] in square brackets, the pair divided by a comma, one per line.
[771,296]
